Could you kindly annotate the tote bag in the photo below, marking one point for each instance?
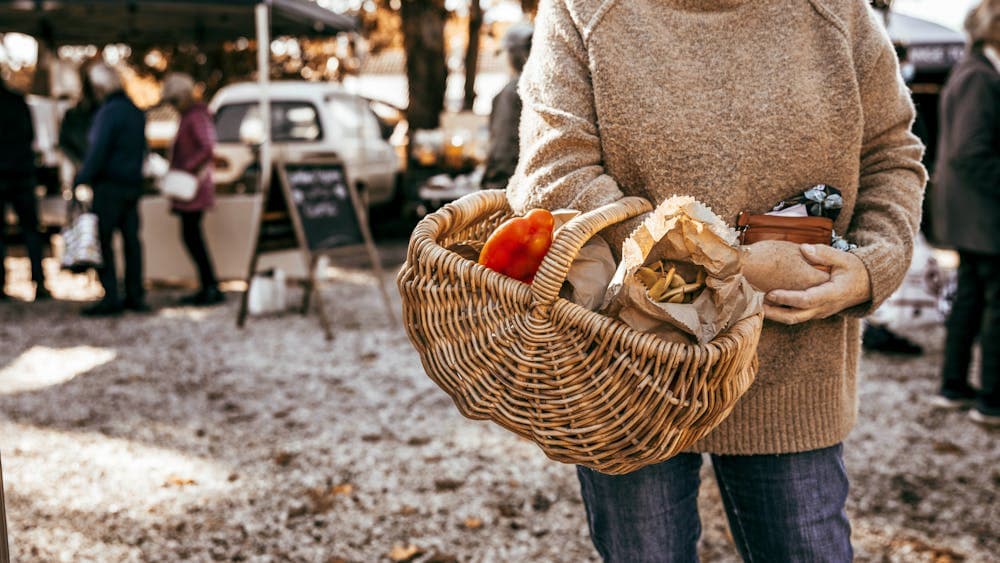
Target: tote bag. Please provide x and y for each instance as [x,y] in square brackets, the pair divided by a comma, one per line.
[81,242]
[179,185]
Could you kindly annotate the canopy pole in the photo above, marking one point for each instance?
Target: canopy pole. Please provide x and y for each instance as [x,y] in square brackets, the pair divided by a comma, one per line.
[262,17]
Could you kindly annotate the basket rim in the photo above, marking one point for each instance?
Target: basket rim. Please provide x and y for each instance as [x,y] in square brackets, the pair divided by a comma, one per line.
[424,245]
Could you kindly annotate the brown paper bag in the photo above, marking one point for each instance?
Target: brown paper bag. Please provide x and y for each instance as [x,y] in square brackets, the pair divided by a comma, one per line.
[687,233]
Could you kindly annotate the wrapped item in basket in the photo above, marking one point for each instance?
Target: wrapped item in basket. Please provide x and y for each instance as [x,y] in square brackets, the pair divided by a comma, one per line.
[591,270]
[688,234]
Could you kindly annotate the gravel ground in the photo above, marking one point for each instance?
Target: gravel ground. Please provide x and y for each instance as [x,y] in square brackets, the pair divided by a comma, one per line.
[176,437]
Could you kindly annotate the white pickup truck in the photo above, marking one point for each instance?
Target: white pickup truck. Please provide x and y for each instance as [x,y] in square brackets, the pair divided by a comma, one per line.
[309,121]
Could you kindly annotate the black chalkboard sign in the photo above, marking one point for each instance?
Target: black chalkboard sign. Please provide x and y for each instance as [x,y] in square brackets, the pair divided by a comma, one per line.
[313,209]
[276,229]
[324,205]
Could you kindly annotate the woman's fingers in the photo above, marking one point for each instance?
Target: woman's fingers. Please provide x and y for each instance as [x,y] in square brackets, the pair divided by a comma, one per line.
[812,298]
[823,255]
[787,316]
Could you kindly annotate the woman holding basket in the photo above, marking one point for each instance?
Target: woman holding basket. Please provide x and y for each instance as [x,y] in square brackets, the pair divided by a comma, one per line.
[741,104]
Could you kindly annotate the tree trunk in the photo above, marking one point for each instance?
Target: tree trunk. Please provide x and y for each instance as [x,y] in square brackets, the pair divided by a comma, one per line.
[426,71]
[472,53]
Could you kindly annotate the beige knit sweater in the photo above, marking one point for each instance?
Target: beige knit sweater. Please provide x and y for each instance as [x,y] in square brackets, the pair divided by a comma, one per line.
[739,103]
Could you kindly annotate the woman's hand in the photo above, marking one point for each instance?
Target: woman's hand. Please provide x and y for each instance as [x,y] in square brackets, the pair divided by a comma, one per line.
[849,285]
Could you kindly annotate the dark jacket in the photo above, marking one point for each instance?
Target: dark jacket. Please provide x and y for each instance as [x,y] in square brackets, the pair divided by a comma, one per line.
[501,158]
[16,135]
[74,130]
[966,193]
[117,148]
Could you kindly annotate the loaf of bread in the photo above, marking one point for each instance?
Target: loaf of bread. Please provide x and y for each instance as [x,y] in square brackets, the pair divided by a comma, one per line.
[778,264]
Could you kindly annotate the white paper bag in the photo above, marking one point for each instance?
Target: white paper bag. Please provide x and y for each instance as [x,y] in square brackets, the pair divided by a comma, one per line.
[267,293]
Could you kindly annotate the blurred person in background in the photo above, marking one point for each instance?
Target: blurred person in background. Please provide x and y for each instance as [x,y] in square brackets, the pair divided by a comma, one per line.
[77,121]
[113,168]
[501,159]
[967,177]
[192,152]
[17,184]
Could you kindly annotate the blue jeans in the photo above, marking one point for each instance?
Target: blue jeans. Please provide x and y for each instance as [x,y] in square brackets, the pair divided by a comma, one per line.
[787,507]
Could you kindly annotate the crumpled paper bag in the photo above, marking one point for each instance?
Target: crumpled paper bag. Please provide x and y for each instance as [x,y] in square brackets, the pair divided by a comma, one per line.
[591,270]
[687,233]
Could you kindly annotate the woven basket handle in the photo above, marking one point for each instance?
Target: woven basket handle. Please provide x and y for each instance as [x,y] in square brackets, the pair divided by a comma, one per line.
[571,238]
[454,216]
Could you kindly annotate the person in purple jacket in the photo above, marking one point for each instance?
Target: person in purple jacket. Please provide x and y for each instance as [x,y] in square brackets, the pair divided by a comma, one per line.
[192,152]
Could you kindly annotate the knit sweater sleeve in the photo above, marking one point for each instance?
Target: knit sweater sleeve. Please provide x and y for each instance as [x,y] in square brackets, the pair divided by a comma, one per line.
[891,184]
[561,161]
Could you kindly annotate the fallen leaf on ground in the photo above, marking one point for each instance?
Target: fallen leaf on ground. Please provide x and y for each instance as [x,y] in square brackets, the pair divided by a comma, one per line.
[509,509]
[540,503]
[936,553]
[343,489]
[284,458]
[179,481]
[323,498]
[405,553]
[945,447]
[473,523]
[448,484]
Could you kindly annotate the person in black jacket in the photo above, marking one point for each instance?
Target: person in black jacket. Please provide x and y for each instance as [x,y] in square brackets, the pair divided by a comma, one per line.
[17,186]
[76,123]
[967,195]
[113,168]
[505,115]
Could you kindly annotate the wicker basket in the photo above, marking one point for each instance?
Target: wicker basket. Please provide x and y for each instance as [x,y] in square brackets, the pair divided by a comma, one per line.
[586,388]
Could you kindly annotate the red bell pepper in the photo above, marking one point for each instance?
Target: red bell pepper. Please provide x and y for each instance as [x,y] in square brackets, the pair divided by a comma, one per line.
[517,246]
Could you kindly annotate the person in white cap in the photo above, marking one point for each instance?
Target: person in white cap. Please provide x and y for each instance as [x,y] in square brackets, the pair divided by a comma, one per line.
[113,168]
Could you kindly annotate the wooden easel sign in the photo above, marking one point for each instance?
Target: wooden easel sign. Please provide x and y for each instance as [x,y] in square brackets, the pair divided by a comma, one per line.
[316,210]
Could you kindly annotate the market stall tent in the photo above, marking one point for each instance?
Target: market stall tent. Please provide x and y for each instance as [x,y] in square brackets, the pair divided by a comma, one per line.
[141,23]
[930,47]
